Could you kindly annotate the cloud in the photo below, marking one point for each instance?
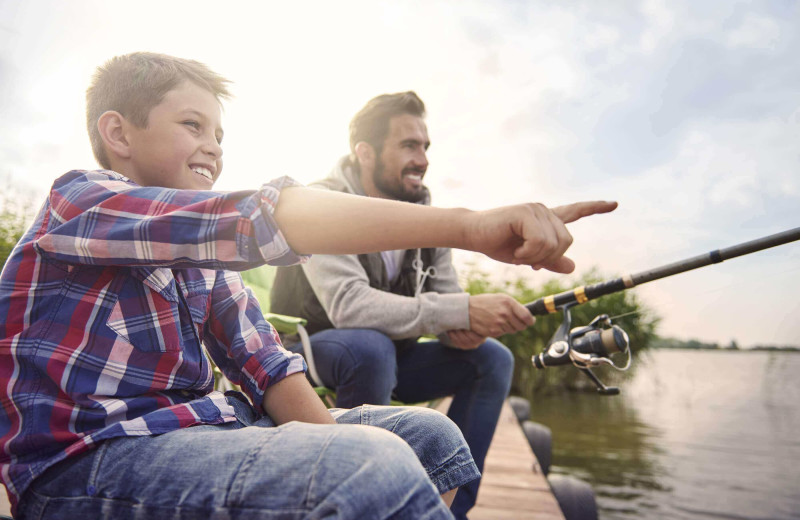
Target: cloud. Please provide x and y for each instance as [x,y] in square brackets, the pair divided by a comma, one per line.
[755,32]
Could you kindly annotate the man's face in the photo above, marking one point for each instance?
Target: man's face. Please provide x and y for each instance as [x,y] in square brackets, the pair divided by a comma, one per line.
[400,167]
[180,148]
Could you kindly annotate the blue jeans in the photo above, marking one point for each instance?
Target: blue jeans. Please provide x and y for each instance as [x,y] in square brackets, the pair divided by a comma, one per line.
[364,367]
[251,469]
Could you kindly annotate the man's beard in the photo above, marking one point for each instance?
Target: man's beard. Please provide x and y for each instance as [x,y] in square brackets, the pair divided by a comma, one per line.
[394,187]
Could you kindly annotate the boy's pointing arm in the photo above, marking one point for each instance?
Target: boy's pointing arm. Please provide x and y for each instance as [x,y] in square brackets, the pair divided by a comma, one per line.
[324,222]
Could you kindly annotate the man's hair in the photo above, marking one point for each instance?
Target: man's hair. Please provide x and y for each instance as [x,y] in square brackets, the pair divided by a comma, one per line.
[134,83]
[371,123]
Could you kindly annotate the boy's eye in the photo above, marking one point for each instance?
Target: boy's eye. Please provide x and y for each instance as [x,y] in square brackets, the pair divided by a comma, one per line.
[193,124]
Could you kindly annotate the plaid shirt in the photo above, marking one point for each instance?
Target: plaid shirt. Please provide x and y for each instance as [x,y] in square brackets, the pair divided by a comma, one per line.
[105,303]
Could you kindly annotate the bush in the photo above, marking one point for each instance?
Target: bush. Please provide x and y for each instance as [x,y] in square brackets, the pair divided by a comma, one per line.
[15,217]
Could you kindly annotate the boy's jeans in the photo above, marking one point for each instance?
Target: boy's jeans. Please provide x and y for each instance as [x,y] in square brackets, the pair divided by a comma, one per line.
[239,471]
[364,367]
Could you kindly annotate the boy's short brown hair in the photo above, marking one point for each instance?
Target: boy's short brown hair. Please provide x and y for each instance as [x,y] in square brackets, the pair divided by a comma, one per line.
[134,83]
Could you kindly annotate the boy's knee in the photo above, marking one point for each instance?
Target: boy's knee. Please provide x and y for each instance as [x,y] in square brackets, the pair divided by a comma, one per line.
[429,432]
[376,455]
[368,472]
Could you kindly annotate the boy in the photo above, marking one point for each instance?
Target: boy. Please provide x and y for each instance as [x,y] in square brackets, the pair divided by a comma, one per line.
[125,275]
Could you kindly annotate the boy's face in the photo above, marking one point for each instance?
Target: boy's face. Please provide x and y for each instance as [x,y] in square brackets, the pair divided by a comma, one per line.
[180,148]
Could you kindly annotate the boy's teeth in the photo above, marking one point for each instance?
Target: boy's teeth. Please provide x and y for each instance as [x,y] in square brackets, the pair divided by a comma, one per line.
[205,172]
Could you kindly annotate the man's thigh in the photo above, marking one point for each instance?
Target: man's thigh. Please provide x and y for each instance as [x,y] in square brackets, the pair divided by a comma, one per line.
[429,369]
[358,363]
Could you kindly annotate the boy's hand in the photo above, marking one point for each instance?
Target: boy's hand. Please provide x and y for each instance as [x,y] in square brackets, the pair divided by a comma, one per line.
[530,234]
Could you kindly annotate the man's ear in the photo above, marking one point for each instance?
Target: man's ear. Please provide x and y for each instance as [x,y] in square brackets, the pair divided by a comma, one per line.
[112,126]
[366,155]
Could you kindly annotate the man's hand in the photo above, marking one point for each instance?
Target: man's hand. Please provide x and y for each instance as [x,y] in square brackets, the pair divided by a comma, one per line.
[497,314]
[465,339]
[530,234]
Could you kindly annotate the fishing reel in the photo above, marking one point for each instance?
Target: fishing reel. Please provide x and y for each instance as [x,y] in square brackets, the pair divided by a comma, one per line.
[586,347]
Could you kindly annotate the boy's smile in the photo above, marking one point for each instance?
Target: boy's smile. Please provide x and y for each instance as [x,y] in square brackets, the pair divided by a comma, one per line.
[180,147]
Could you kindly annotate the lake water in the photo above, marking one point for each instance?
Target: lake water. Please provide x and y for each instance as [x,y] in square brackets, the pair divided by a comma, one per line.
[694,435]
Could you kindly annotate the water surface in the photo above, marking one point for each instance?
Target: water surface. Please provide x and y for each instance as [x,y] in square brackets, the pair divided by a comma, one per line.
[694,435]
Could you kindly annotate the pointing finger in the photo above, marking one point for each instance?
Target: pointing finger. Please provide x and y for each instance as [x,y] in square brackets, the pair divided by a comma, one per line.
[572,212]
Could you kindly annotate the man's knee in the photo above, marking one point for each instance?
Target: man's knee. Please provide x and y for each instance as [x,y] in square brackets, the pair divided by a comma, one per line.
[497,355]
[372,351]
[497,361]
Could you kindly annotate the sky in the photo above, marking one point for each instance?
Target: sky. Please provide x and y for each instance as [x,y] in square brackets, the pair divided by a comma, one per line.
[686,113]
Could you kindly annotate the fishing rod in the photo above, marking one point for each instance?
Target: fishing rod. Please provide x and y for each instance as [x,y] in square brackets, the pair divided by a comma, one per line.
[592,345]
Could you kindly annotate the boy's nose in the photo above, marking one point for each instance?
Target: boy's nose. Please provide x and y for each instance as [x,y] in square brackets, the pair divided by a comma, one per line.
[213,148]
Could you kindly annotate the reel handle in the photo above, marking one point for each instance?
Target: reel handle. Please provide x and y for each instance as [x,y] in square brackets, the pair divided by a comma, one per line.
[557,353]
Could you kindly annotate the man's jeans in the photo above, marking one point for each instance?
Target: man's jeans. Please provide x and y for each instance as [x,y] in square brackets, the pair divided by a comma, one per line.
[251,469]
[363,367]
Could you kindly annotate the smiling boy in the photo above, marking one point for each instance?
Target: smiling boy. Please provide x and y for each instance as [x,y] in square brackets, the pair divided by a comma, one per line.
[127,279]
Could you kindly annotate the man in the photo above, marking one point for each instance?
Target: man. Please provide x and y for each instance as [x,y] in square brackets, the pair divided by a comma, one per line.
[366,312]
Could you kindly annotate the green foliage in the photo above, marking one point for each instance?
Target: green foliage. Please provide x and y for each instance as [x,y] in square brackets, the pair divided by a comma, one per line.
[15,216]
[638,322]
[12,227]
[259,280]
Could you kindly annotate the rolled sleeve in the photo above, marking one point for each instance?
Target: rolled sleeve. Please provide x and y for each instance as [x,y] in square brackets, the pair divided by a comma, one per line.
[242,343]
[258,222]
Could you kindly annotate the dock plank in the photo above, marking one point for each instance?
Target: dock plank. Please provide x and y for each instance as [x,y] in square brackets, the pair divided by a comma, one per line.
[513,485]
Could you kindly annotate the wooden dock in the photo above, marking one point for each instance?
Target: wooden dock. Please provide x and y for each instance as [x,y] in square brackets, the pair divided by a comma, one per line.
[513,487]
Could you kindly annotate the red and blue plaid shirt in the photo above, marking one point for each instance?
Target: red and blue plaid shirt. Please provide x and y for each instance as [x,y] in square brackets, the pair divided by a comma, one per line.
[107,302]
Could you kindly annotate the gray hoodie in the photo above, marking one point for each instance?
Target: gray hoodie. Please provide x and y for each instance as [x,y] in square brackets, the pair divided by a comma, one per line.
[352,297]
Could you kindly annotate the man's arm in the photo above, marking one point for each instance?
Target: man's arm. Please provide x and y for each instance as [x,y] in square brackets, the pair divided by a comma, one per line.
[318,221]
[342,287]
[489,314]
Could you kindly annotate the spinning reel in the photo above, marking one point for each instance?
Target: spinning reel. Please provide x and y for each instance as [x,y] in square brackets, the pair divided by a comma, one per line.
[593,345]
[586,347]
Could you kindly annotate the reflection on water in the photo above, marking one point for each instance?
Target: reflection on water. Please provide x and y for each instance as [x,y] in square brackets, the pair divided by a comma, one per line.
[694,435]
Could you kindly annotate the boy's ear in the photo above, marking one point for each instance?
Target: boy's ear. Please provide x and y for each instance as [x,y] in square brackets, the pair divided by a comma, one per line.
[366,155]
[111,126]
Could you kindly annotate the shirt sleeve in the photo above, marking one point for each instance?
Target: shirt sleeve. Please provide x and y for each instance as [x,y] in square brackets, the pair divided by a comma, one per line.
[242,343]
[342,287]
[102,218]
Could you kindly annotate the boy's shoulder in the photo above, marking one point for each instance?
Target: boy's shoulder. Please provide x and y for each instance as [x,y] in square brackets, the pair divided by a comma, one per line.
[79,190]
[80,176]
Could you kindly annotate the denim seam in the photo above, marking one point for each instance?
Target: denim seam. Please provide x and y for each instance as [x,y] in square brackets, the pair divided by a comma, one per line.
[95,471]
[312,480]
[237,486]
[455,477]
[39,506]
